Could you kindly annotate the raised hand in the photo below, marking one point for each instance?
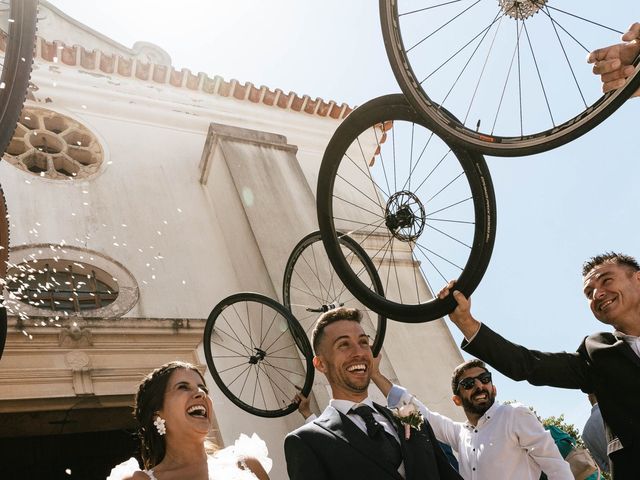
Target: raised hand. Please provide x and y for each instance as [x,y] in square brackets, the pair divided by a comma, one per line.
[614,63]
[303,404]
[461,316]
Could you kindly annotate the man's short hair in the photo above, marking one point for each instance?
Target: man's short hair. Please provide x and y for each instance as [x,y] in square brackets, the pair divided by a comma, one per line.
[460,369]
[327,318]
[610,257]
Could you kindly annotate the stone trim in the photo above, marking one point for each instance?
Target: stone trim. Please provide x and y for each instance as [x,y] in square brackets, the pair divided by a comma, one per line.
[113,64]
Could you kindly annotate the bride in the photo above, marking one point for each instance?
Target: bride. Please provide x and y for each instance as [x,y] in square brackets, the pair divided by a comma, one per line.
[173,411]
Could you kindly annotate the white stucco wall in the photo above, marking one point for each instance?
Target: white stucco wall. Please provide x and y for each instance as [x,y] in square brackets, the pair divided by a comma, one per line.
[147,202]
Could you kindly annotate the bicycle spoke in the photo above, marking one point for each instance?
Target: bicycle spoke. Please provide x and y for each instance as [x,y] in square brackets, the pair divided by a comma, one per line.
[564,52]
[585,19]
[444,25]
[428,8]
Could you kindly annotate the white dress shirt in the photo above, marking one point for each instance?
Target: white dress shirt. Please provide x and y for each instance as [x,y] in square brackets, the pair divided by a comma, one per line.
[509,442]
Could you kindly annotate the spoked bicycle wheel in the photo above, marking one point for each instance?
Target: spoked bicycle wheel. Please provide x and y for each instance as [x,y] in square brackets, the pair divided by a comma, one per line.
[423,210]
[250,343]
[17,39]
[311,286]
[513,72]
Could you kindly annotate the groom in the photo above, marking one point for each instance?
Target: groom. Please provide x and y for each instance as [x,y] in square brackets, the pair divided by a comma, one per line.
[354,438]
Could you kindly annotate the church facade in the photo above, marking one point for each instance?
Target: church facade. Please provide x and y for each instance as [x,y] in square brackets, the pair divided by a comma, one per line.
[167,191]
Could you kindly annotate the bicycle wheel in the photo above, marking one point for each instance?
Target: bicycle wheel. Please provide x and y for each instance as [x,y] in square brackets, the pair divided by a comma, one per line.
[513,71]
[253,356]
[423,210]
[17,39]
[311,286]
[4,259]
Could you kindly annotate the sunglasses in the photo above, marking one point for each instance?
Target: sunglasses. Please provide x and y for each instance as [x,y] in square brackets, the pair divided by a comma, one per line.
[469,382]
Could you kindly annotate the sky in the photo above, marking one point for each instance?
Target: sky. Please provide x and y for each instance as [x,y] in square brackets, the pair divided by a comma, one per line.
[554,209]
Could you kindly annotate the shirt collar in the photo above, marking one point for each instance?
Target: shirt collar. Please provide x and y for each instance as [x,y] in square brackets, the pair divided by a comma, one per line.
[631,340]
[344,406]
[486,417]
[625,337]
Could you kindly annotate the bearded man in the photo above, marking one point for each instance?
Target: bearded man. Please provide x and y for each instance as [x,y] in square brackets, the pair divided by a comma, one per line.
[497,440]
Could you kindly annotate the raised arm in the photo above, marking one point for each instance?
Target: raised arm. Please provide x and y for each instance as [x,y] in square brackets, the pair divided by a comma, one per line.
[538,443]
[256,468]
[445,429]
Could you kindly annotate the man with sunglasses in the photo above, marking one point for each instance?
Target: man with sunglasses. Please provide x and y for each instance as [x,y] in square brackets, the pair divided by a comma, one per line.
[497,441]
[606,363]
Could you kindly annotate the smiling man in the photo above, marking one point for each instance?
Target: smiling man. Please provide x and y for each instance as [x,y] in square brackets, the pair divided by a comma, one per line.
[606,363]
[355,438]
[497,440]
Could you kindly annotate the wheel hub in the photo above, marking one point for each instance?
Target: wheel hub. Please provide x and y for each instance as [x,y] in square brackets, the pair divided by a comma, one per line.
[259,356]
[405,216]
[325,308]
[521,9]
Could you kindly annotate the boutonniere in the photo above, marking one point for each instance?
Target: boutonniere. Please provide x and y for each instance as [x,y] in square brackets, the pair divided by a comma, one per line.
[410,416]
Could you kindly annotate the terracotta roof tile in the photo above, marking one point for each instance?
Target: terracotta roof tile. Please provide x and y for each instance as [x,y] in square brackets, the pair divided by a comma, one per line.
[77,55]
[160,73]
[88,59]
[68,55]
[107,63]
[143,70]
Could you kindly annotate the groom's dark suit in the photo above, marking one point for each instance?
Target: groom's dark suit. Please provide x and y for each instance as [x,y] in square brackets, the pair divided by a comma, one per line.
[333,447]
[604,364]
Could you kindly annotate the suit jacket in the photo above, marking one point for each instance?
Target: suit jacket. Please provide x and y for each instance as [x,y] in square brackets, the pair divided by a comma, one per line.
[333,447]
[604,364]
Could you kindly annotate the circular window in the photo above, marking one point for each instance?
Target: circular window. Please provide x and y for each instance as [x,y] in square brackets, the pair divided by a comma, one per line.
[52,145]
[45,279]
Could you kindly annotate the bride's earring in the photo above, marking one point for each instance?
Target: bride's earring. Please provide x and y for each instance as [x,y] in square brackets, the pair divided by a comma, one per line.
[160,424]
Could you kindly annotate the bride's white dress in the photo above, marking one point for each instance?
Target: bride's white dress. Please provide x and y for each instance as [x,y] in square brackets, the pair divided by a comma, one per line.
[223,465]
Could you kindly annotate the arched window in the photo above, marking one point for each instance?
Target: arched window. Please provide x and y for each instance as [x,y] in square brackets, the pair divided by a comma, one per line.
[46,280]
[61,285]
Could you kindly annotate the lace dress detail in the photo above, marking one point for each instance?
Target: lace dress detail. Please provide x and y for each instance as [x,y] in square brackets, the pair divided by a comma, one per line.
[225,464]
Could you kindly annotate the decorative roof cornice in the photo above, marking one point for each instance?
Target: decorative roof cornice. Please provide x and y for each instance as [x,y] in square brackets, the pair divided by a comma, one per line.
[113,64]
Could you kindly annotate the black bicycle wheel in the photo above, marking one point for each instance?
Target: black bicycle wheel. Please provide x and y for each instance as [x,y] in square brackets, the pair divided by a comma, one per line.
[17,39]
[311,286]
[513,71]
[253,357]
[424,211]
[4,260]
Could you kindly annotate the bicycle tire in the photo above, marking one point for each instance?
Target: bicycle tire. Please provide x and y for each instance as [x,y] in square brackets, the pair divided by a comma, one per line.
[18,62]
[258,355]
[380,112]
[4,260]
[597,107]
[312,301]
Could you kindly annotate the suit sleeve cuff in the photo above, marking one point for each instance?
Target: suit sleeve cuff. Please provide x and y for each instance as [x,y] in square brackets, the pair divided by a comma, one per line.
[467,341]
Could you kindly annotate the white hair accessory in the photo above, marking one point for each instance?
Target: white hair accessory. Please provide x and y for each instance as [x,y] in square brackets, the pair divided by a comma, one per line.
[160,424]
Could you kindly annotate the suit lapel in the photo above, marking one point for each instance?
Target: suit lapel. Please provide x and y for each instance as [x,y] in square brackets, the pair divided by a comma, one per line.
[343,428]
[626,350]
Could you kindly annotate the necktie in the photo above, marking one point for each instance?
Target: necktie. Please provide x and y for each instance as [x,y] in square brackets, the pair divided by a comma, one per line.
[378,434]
